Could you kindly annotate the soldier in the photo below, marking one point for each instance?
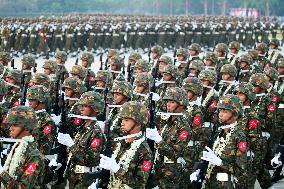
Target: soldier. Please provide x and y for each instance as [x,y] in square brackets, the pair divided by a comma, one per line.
[142,66]
[210,61]
[131,161]
[262,60]
[116,66]
[4,60]
[29,169]
[40,79]
[164,60]
[102,80]
[234,48]
[228,157]
[61,58]
[110,54]
[87,61]
[88,143]
[3,109]
[194,51]
[221,51]
[274,54]
[132,60]
[182,56]
[195,67]
[265,108]
[28,62]
[13,81]
[45,131]
[78,71]
[142,84]
[156,53]
[228,75]
[171,141]
[244,71]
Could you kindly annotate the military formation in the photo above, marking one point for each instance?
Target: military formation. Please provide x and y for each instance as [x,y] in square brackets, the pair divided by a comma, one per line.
[197,119]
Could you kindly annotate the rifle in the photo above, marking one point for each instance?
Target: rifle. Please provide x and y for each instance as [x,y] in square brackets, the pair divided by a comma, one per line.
[203,165]
[186,71]
[149,55]
[175,59]
[13,63]
[101,61]
[77,60]
[34,68]
[106,63]
[24,88]
[87,81]
[129,73]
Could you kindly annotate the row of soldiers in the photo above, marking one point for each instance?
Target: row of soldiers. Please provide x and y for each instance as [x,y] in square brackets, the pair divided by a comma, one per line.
[99,32]
[183,122]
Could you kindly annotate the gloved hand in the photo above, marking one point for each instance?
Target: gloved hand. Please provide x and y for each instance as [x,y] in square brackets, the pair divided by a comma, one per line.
[53,163]
[275,162]
[153,134]
[56,119]
[211,157]
[93,185]
[5,152]
[155,97]
[65,139]
[109,163]
[194,175]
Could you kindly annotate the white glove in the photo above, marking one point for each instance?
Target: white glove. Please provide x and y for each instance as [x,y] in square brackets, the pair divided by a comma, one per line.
[53,163]
[56,119]
[1,168]
[275,161]
[5,152]
[65,139]
[155,97]
[194,175]
[93,185]
[109,163]
[211,157]
[153,134]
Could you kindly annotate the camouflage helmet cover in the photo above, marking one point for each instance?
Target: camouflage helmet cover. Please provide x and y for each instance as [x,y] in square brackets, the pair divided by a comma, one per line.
[176,94]
[231,102]
[222,47]
[209,75]
[234,45]
[74,84]
[28,60]
[93,99]
[193,85]
[272,73]
[5,56]
[229,69]
[143,65]
[78,70]
[61,55]
[195,47]
[260,80]
[166,59]
[88,57]
[122,87]
[247,89]
[183,52]
[38,93]
[41,79]
[211,56]
[144,79]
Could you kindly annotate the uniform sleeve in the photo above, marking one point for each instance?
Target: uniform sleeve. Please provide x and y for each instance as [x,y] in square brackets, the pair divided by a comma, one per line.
[28,174]
[139,169]
[48,135]
[174,143]
[88,150]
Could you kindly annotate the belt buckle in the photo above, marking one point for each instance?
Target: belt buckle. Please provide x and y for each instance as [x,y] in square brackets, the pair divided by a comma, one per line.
[79,169]
[223,177]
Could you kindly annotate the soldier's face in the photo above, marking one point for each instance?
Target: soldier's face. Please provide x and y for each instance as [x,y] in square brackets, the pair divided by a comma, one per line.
[233,51]
[33,104]
[180,57]
[113,67]
[15,131]
[280,70]
[190,95]
[208,62]
[138,70]
[225,76]
[242,97]
[154,55]
[219,53]
[10,80]
[167,77]
[162,65]
[127,125]
[139,89]
[192,52]
[84,63]
[172,105]
[68,92]
[257,89]
[86,110]
[131,61]
[100,83]
[205,82]
[47,71]
[243,65]
[26,67]
[225,116]
[272,46]
[118,98]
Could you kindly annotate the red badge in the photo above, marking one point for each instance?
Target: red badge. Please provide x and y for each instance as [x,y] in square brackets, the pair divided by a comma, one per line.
[242,146]
[16,103]
[146,166]
[197,120]
[183,135]
[95,143]
[31,168]
[271,108]
[77,121]
[213,104]
[274,99]
[92,78]
[4,119]
[47,129]
[253,123]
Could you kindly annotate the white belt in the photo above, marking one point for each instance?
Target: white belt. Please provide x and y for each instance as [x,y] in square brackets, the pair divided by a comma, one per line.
[181,33]
[70,35]
[189,32]
[107,33]
[223,177]
[24,35]
[79,33]
[216,33]
[82,169]
[207,33]
[92,34]
[171,33]
[141,33]
[100,34]
[115,34]
[267,31]
[207,124]
[162,33]
[265,134]
[152,33]
[123,33]
[198,33]
[58,35]
[281,106]
[233,32]
[167,160]
[249,32]
[49,36]
[6,146]
[33,35]
[132,33]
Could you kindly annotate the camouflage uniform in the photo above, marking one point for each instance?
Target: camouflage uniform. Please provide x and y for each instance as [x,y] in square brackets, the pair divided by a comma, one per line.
[145,80]
[90,76]
[89,143]
[227,87]
[4,60]
[245,72]
[233,154]
[28,62]
[78,71]
[12,98]
[135,173]
[223,48]
[4,131]
[274,55]
[29,172]
[233,57]
[262,60]
[182,64]
[62,72]
[173,151]
[45,131]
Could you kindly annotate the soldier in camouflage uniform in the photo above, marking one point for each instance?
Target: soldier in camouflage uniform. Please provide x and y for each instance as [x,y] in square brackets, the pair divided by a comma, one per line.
[228,75]
[110,54]
[78,71]
[173,155]
[265,108]
[61,58]
[102,80]
[161,64]
[194,51]
[122,92]
[142,84]
[195,67]
[40,79]
[182,56]
[210,61]
[156,53]
[45,131]
[116,66]
[132,60]
[3,109]
[50,69]
[4,60]
[28,62]
[228,157]
[274,54]
[88,143]
[87,61]
[13,81]
[29,169]
[142,66]
[131,161]
[244,64]
[221,51]
[234,48]
[262,60]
